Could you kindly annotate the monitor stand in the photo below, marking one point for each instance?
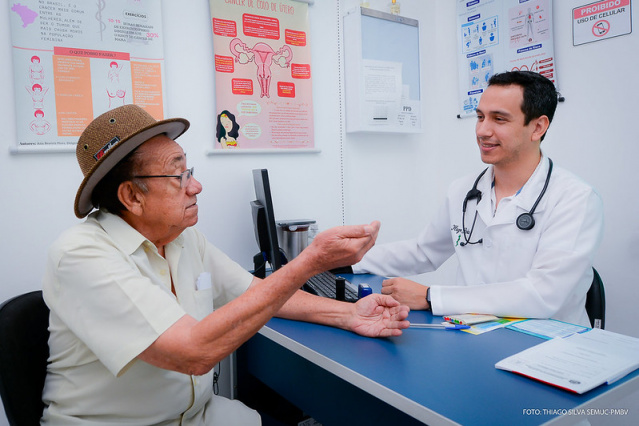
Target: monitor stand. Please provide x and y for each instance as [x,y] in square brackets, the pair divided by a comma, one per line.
[259,263]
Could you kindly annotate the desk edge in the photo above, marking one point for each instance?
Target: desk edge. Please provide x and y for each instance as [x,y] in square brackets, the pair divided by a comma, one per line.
[396,400]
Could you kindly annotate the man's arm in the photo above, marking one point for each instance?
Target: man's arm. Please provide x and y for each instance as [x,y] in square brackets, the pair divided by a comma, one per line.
[373,316]
[195,347]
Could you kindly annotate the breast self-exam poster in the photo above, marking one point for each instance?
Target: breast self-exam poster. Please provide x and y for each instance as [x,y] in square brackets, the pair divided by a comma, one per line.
[76,60]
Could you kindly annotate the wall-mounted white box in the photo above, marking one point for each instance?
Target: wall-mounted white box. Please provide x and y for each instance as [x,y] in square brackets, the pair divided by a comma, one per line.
[381,72]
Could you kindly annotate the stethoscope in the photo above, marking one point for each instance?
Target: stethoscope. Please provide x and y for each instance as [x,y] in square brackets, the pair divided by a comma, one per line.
[525,221]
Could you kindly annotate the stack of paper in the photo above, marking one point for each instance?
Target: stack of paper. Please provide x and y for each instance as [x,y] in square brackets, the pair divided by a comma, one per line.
[578,363]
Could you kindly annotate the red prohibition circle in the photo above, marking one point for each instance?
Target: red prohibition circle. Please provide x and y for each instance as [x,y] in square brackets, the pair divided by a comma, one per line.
[601,28]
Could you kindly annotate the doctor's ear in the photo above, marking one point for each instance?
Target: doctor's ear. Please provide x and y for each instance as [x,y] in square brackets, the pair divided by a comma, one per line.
[540,127]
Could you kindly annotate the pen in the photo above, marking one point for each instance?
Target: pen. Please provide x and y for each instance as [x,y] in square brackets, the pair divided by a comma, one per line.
[444,325]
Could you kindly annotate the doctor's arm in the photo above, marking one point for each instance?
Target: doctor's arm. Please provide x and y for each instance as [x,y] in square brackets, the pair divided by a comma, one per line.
[407,292]
[424,253]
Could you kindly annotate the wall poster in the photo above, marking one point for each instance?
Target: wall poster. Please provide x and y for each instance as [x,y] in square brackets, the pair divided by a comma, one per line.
[74,60]
[262,75]
[601,20]
[497,36]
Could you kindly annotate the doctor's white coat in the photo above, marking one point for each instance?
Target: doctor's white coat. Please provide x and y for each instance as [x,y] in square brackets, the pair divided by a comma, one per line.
[544,272]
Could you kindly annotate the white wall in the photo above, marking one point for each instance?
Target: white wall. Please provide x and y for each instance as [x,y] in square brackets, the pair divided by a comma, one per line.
[399,179]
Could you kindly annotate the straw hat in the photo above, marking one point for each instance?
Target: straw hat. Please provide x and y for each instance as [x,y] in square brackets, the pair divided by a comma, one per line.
[109,138]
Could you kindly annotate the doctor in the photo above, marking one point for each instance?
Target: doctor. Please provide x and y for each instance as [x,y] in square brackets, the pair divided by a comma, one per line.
[525,232]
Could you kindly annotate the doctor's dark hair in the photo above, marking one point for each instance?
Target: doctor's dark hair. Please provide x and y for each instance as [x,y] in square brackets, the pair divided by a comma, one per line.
[220,131]
[540,95]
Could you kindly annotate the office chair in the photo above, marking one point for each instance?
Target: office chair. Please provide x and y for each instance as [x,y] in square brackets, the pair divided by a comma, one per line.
[596,302]
[24,350]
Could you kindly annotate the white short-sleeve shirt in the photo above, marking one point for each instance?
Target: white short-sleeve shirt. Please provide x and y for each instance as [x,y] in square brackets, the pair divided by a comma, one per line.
[109,292]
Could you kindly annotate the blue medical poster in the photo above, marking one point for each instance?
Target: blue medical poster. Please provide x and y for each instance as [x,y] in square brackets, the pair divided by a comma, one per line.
[496,36]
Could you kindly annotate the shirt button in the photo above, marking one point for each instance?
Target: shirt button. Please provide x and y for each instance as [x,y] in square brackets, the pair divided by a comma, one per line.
[162,271]
[488,243]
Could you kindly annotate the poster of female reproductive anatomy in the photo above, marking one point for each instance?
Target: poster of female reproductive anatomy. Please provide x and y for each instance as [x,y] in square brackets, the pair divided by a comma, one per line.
[496,36]
[262,75]
[75,60]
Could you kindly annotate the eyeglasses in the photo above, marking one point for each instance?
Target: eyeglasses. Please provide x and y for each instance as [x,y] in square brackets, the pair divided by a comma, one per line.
[184,177]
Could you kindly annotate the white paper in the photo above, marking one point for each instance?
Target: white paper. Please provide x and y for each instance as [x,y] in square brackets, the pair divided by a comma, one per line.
[578,363]
[203,281]
[382,91]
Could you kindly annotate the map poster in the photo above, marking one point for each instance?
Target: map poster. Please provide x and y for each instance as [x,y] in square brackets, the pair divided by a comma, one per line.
[262,75]
[74,60]
[497,36]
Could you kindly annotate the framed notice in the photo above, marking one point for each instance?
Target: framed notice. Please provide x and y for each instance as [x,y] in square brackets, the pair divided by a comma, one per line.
[76,60]
[263,76]
[601,20]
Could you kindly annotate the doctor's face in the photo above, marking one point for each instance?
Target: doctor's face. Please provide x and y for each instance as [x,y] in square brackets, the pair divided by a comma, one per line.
[502,136]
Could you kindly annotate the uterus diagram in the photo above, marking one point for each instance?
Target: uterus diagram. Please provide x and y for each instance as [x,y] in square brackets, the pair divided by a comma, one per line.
[263,56]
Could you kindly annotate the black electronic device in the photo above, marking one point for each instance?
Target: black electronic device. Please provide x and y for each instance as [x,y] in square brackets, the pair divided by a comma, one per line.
[327,284]
[340,288]
[264,226]
[323,284]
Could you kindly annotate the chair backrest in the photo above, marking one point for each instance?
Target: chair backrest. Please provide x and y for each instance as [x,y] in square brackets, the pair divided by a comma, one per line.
[24,350]
[596,302]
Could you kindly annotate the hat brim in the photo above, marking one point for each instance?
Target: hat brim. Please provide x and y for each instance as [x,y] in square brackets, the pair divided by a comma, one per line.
[172,127]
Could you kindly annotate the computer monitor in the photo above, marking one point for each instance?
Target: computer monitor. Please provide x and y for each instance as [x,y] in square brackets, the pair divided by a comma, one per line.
[265,227]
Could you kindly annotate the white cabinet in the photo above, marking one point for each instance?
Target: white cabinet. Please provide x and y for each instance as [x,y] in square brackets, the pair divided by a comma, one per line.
[382,72]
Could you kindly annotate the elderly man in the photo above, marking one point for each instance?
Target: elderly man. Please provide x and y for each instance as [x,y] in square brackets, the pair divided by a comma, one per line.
[143,306]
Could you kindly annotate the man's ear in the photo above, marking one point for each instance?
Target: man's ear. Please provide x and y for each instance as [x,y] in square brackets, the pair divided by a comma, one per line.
[131,197]
[540,126]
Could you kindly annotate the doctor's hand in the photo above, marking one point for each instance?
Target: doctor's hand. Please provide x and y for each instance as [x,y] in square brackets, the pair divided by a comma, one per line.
[378,316]
[406,292]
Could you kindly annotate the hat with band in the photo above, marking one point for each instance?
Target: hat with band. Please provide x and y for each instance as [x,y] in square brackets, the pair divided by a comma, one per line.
[109,138]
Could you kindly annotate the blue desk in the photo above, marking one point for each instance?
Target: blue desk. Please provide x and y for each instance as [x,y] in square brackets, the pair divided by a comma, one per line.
[424,376]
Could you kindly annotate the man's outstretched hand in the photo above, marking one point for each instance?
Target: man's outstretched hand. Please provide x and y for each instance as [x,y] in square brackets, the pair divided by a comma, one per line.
[377,315]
